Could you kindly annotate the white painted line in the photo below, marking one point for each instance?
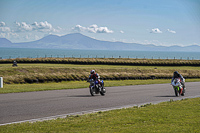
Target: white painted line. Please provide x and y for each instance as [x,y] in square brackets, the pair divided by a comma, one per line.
[95,110]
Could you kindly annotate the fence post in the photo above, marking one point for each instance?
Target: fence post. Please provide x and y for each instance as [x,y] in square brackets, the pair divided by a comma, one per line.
[1,82]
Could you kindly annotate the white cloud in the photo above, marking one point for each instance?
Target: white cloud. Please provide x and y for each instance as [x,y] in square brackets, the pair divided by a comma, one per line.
[59,28]
[79,28]
[9,35]
[2,24]
[103,30]
[6,32]
[3,28]
[92,29]
[156,30]
[2,35]
[94,26]
[41,26]
[24,26]
[121,31]
[171,31]
[23,31]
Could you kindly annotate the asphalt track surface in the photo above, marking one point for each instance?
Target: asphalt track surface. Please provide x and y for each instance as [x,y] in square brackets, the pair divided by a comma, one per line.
[44,105]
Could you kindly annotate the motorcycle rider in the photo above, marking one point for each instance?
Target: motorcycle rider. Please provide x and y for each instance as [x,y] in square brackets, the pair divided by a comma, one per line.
[93,75]
[14,63]
[178,75]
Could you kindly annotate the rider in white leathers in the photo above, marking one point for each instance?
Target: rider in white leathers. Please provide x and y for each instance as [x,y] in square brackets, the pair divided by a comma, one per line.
[177,75]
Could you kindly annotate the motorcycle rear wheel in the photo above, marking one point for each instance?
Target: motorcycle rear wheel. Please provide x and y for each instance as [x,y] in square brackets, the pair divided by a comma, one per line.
[103,91]
[183,93]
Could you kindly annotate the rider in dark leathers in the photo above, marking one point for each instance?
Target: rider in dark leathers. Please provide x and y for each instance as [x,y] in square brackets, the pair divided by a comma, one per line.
[14,63]
[178,75]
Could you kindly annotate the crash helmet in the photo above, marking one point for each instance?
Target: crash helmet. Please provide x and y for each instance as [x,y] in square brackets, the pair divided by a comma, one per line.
[92,71]
[176,73]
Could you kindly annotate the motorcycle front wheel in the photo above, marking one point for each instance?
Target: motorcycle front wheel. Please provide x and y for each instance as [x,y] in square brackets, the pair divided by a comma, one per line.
[176,92]
[92,91]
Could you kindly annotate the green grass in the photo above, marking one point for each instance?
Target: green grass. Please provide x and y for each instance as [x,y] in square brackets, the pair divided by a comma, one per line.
[174,116]
[14,88]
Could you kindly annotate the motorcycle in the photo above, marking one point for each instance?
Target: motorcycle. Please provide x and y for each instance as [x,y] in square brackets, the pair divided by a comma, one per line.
[96,88]
[178,87]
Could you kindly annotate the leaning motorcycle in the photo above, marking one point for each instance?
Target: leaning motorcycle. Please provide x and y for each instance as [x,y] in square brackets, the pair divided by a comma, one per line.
[96,88]
[178,87]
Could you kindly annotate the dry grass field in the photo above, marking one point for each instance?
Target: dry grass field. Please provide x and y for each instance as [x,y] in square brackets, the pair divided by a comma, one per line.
[32,72]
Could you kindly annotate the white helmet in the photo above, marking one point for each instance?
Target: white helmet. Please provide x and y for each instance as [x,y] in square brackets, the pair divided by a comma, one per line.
[92,71]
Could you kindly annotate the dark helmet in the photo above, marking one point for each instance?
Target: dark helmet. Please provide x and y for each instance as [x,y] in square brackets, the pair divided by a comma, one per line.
[92,71]
[176,73]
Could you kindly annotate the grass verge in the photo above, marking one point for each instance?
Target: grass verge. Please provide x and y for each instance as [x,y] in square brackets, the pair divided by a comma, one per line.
[172,116]
[32,73]
[14,88]
[107,61]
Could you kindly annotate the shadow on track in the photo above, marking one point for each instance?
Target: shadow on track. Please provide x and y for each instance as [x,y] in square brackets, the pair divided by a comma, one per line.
[80,96]
[166,96]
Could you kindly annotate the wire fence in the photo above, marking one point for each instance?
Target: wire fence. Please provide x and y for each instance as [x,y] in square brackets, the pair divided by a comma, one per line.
[103,56]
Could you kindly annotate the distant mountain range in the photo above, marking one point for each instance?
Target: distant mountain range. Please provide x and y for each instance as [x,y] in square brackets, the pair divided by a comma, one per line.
[79,41]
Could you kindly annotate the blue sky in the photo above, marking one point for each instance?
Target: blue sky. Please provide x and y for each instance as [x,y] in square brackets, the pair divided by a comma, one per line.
[159,22]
